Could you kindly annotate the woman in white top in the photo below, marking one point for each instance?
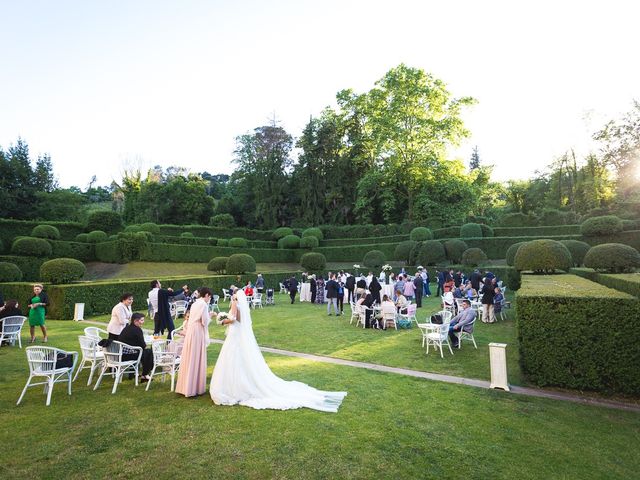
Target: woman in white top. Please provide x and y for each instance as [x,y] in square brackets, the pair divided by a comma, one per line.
[120,316]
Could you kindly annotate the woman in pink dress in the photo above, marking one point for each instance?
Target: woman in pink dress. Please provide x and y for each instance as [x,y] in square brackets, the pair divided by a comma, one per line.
[192,377]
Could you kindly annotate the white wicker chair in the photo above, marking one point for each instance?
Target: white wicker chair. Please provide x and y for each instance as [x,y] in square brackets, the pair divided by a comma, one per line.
[389,316]
[439,337]
[180,308]
[95,332]
[256,301]
[214,306]
[226,295]
[411,313]
[462,335]
[113,360]
[43,363]
[166,357]
[354,313]
[362,315]
[11,330]
[92,356]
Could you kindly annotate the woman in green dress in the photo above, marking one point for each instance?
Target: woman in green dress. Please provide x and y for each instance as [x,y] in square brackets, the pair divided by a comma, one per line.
[37,310]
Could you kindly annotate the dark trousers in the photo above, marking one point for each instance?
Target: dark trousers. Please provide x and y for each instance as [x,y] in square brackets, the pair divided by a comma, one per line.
[292,294]
[367,319]
[341,303]
[440,289]
[146,360]
[157,328]
[351,297]
[313,296]
[113,336]
[419,298]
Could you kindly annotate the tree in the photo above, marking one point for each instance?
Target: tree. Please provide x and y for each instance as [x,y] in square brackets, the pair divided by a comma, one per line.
[474,163]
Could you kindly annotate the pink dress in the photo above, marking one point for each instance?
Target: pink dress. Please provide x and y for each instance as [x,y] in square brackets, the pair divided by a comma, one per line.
[192,376]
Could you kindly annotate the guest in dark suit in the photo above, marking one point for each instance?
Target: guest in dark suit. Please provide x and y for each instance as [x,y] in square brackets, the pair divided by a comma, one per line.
[332,295]
[440,277]
[350,285]
[132,335]
[313,288]
[293,288]
[419,284]
[475,279]
[375,288]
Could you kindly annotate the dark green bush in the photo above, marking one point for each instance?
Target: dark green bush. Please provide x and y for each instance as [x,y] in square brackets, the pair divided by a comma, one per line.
[431,252]
[542,256]
[281,232]
[9,272]
[218,264]
[238,242]
[473,257]
[309,242]
[544,231]
[471,230]
[62,270]
[402,252]
[85,252]
[150,227]
[511,253]
[223,220]
[45,231]
[628,225]
[313,232]
[454,249]
[239,263]
[374,259]
[420,234]
[629,283]
[82,238]
[362,241]
[29,266]
[187,235]
[132,229]
[223,242]
[106,220]
[612,258]
[517,220]
[289,242]
[313,262]
[577,249]
[487,231]
[552,216]
[599,226]
[160,252]
[97,236]
[31,247]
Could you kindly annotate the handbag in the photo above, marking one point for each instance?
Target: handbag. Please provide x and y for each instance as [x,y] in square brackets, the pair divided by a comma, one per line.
[64,360]
[436,319]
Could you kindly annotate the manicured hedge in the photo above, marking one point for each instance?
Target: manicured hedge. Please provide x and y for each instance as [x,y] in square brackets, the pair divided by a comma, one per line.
[600,226]
[449,232]
[625,282]
[518,219]
[29,266]
[612,258]
[9,272]
[281,232]
[106,220]
[420,234]
[473,257]
[542,256]
[544,231]
[313,262]
[97,236]
[289,242]
[205,231]
[431,252]
[240,263]
[223,220]
[218,264]
[46,231]
[85,252]
[160,252]
[574,333]
[355,253]
[31,247]
[364,231]
[10,229]
[374,259]
[454,249]
[369,241]
[62,270]
[309,242]
[313,232]
[577,249]
[487,231]
[471,230]
[512,250]
[402,252]
[496,247]
[238,242]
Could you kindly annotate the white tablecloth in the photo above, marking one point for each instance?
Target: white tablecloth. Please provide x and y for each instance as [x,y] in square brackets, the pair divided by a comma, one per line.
[305,292]
[387,290]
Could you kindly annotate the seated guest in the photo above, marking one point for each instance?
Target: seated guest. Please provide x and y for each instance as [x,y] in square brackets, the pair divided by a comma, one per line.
[399,285]
[401,302]
[457,292]
[132,335]
[449,285]
[470,292]
[120,316]
[388,309]
[11,309]
[462,321]
[497,301]
[361,285]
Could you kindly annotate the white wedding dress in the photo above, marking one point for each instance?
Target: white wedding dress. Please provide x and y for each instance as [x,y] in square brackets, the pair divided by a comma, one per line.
[241,375]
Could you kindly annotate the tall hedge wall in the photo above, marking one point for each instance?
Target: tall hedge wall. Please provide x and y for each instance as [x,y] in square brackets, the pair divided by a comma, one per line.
[10,229]
[355,253]
[161,252]
[217,232]
[29,266]
[625,282]
[574,333]
[335,242]
[536,231]
[85,252]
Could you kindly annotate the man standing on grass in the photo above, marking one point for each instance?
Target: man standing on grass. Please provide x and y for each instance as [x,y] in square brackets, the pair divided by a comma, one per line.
[293,288]
[159,300]
[350,285]
[332,295]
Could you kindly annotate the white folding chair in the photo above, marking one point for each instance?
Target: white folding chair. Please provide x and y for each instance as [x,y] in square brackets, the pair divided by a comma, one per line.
[354,313]
[43,363]
[256,301]
[113,360]
[282,289]
[439,337]
[167,358]
[226,294]
[180,307]
[92,356]
[448,305]
[213,306]
[11,330]
[96,332]
[462,335]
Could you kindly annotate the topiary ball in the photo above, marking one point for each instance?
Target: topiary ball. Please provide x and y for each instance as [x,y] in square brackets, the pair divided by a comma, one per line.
[431,252]
[473,257]
[313,262]
[487,231]
[31,247]
[374,259]
[471,230]
[289,241]
[309,242]
[106,220]
[517,219]
[281,232]
[217,264]
[132,228]
[97,236]
[62,270]
[598,226]
[238,242]
[511,252]
[577,249]
[82,237]
[420,234]
[403,250]
[313,232]
[46,231]
[222,220]
[223,242]
[240,263]
[543,256]
[454,249]
[150,227]
[10,272]
[612,258]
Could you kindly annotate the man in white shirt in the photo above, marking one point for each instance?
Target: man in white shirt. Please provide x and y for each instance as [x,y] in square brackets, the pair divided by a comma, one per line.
[369,278]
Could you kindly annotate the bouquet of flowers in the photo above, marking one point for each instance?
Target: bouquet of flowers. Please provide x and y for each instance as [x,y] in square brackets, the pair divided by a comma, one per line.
[386,268]
[221,317]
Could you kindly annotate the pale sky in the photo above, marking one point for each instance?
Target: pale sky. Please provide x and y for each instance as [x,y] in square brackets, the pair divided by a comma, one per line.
[102,84]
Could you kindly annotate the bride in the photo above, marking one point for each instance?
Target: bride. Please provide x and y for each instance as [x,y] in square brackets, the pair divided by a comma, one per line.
[241,376]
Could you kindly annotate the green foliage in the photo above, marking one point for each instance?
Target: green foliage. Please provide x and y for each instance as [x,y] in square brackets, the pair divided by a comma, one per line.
[218,264]
[29,266]
[473,257]
[46,231]
[598,226]
[151,228]
[362,231]
[612,258]
[97,236]
[511,252]
[577,249]
[9,272]
[161,252]
[31,247]
[431,252]
[361,241]
[628,225]
[448,232]
[517,219]
[187,235]
[542,256]
[62,270]
[223,242]
[223,220]
[374,259]
[82,238]
[239,263]
[487,231]
[403,251]
[556,320]
[309,242]
[552,216]
[420,234]
[625,282]
[471,230]
[289,241]
[238,243]
[313,232]
[281,232]
[543,231]
[454,249]
[105,220]
[132,229]
[312,261]
[128,246]
[85,252]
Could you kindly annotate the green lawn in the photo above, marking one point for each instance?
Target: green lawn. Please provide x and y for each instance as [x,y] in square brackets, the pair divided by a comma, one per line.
[389,426]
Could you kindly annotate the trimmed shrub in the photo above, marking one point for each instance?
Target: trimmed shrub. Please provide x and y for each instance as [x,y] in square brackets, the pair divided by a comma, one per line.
[150,227]
[218,264]
[289,242]
[239,263]
[309,242]
[471,230]
[29,266]
[420,234]
[281,232]
[223,220]
[625,282]
[31,247]
[132,229]
[82,238]
[187,235]
[1,246]
[431,252]
[313,262]
[223,242]
[487,231]
[628,225]
[85,252]
[577,249]
[473,257]
[542,256]
[612,258]
[106,220]
[543,231]
[313,232]
[374,259]
[517,219]
[46,231]
[403,251]
[552,216]
[511,253]
[238,242]
[454,249]
[9,272]
[599,226]
[62,270]
[97,236]
[449,232]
